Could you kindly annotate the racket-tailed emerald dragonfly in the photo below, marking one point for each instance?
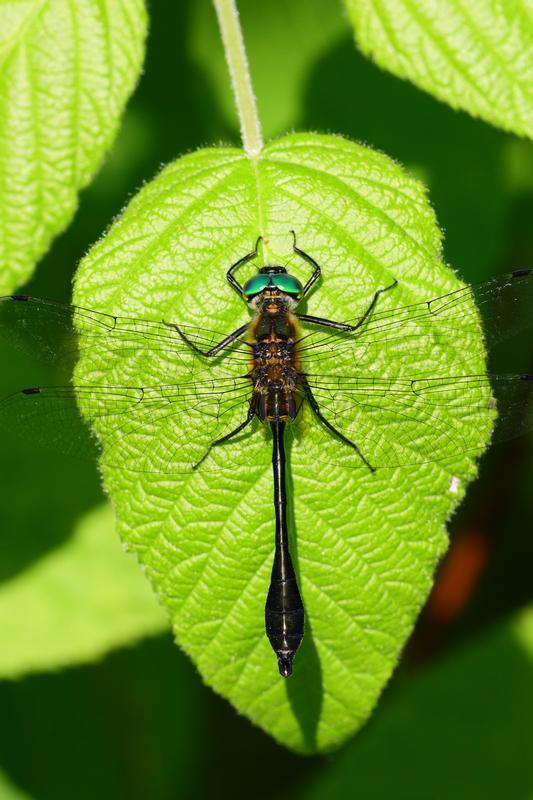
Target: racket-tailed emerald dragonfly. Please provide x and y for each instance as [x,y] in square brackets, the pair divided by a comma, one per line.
[265,371]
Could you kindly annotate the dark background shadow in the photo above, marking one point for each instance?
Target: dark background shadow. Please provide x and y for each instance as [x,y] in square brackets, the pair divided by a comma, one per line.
[462,160]
[47,492]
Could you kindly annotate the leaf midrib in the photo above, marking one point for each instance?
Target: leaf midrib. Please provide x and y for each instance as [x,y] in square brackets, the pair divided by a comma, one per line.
[364,201]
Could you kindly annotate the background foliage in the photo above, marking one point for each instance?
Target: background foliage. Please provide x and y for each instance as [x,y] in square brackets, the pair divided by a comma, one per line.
[66,72]
[139,722]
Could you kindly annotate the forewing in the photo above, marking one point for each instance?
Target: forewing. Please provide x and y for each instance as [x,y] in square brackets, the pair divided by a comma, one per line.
[405,340]
[61,334]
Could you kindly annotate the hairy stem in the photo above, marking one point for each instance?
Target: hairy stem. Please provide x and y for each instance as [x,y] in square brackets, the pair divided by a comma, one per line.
[230,28]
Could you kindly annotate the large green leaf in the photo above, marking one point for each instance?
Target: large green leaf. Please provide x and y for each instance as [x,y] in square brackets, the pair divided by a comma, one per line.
[463,728]
[75,604]
[474,56]
[365,544]
[66,71]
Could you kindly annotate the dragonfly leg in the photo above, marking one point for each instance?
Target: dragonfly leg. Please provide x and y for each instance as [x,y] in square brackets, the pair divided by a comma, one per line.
[345,326]
[213,351]
[228,436]
[317,271]
[248,257]
[316,408]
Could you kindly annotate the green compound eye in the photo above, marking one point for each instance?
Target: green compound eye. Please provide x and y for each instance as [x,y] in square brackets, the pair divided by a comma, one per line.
[287,284]
[255,285]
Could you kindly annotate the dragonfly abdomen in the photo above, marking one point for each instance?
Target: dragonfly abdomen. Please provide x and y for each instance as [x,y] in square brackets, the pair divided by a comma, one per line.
[284,611]
[276,403]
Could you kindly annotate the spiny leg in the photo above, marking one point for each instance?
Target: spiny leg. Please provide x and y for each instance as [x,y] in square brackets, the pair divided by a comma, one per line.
[227,437]
[310,260]
[248,257]
[213,351]
[345,326]
[316,408]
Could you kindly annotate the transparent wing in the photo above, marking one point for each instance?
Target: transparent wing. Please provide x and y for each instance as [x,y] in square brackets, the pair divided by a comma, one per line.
[61,333]
[159,429]
[403,413]
[395,338]
[406,387]
[398,422]
[165,425]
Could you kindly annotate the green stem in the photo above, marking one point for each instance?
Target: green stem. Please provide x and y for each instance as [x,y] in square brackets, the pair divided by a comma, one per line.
[230,29]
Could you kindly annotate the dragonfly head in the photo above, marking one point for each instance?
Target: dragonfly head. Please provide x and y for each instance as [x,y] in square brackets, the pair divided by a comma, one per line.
[272,290]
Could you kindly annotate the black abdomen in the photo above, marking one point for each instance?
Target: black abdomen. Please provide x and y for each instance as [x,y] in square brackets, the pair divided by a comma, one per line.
[284,611]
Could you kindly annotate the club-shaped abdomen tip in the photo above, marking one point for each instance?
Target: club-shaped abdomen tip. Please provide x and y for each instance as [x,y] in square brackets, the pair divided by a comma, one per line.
[285,662]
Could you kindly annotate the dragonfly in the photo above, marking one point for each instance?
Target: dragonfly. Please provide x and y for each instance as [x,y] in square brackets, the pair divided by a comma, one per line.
[263,374]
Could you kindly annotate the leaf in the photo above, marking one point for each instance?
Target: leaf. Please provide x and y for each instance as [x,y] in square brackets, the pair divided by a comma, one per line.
[10,792]
[144,699]
[66,72]
[474,56]
[479,701]
[75,604]
[365,545]
[301,31]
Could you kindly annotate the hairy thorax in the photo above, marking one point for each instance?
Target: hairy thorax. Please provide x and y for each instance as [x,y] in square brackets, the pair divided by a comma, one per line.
[275,370]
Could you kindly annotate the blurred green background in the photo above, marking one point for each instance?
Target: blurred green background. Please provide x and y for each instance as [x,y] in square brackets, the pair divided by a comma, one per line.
[457,719]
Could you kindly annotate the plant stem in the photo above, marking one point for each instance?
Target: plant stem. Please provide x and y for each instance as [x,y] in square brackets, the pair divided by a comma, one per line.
[230,29]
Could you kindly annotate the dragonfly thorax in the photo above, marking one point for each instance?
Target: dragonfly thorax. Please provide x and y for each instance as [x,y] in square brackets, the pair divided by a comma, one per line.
[273,352]
[275,373]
